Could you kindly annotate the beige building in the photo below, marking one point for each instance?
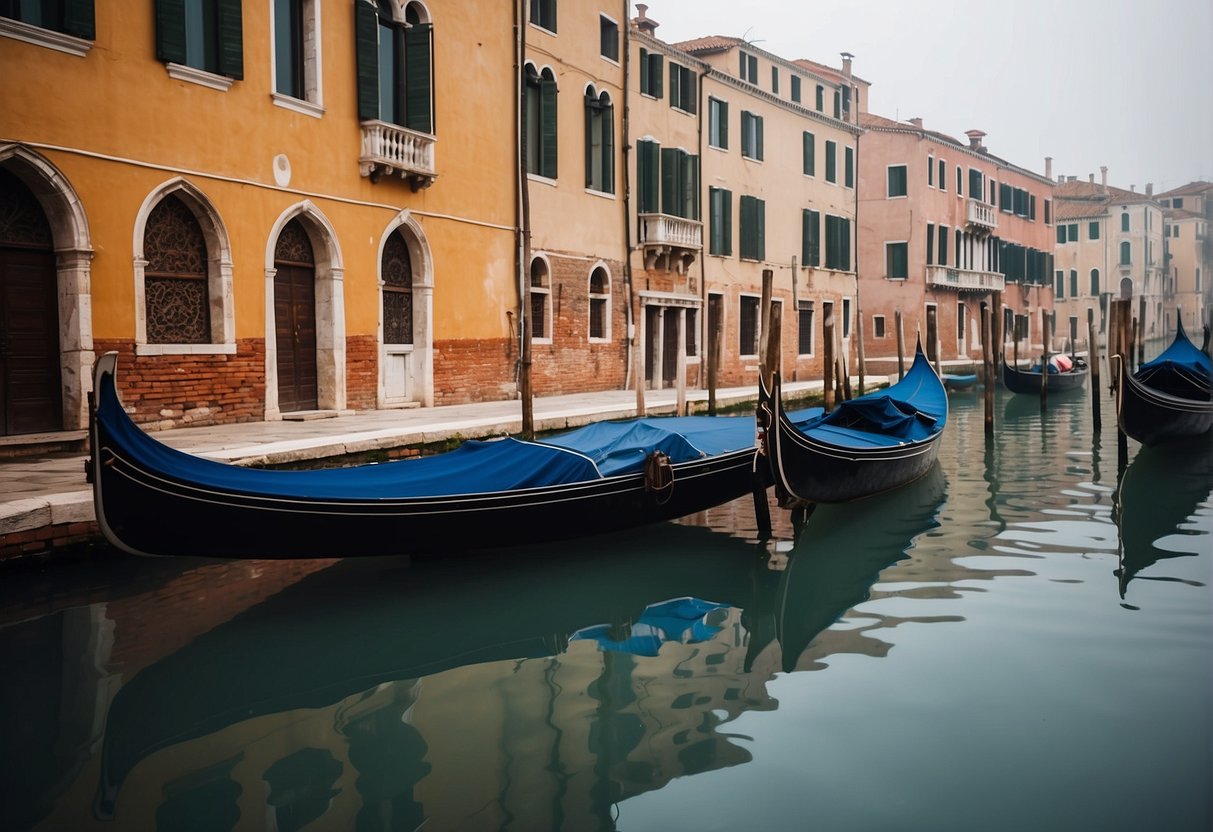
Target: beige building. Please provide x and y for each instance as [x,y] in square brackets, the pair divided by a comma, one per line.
[1188,221]
[1110,246]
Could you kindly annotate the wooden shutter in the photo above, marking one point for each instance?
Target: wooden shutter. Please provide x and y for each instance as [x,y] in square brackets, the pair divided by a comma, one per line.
[547,126]
[655,72]
[418,74]
[366,43]
[79,20]
[644,70]
[170,31]
[724,124]
[850,167]
[810,154]
[758,137]
[231,39]
[760,218]
[608,149]
[810,237]
[647,164]
[690,179]
[747,226]
[671,175]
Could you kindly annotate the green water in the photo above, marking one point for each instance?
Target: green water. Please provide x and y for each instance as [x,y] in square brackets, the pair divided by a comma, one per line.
[1022,640]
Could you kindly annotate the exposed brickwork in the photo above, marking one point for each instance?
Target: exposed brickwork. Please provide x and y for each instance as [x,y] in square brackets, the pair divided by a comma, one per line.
[170,391]
[474,370]
[361,372]
[47,539]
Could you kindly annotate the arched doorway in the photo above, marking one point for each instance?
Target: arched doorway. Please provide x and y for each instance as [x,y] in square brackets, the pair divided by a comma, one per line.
[31,394]
[295,319]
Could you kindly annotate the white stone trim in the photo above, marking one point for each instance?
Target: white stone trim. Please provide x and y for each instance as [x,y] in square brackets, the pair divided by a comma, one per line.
[201,77]
[59,41]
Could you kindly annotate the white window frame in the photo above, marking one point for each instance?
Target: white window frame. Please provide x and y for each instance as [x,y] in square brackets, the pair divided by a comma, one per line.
[596,297]
[312,103]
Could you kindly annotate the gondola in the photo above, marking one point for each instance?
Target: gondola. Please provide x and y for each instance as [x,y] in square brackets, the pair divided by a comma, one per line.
[1168,399]
[152,499]
[1027,381]
[960,382]
[864,446]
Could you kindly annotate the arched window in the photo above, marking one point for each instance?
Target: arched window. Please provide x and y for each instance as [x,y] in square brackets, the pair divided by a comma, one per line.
[175,277]
[1095,282]
[395,65]
[540,111]
[1124,221]
[1126,252]
[599,142]
[600,304]
[397,269]
[541,296]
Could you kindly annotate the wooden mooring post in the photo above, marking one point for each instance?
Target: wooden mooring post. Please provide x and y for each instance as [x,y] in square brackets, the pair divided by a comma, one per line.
[714,336]
[827,359]
[987,368]
[1093,363]
[901,346]
[1046,329]
[859,344]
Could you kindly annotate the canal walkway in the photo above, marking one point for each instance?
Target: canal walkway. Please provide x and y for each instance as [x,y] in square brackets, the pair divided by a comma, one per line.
[46,504]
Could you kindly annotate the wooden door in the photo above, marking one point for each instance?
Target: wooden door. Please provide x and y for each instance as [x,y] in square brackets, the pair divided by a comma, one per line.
[295,322]
[31,396]
[652,329]
[669,352]
[932,334]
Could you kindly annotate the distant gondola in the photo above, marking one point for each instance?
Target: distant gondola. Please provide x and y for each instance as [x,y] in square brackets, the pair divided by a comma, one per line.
[1168,399]
[152,499]
[862,447]
[1027,381]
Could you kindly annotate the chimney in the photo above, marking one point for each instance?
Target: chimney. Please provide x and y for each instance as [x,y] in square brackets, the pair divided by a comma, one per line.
[1103,173]
[1071,178]
[975,137]
[1061,178]
[1132,189]
[642,22]
[1149,189]
[1091,178]
[1048,167]
[917,122]
[846,64]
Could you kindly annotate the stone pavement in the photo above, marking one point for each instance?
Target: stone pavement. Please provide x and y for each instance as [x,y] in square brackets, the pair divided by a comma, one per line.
[41,494]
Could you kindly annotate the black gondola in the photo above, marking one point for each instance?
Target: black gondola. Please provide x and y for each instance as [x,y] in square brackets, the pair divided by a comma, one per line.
[1168,399]
[1027,381]
[152,499]
[863,446]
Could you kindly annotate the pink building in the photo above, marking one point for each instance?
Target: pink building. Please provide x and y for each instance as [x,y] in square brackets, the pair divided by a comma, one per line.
[944,226]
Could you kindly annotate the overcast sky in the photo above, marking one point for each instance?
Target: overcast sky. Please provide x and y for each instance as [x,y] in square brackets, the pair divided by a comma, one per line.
[1122,83]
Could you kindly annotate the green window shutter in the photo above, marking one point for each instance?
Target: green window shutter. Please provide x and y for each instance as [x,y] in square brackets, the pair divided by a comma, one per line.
[724,124]
[79,19]
[728,222]
[691,184]
[648,171]
[745,134]
[418,65]
[831,162]
[810,154]
[747,226]
[1093,231]
[930,243]
[170,31]
[366,43]
[231,39]
[1061,233]
[655,74]
[813,255]
[671,175]
[644,71]
[760,228]
[805,231]
[547,127]
[758,137]
[850,167]
[608,149]
[844,233]
[589,142]
[796,88]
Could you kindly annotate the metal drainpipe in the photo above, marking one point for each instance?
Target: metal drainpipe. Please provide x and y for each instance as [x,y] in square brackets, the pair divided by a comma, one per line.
[632,333]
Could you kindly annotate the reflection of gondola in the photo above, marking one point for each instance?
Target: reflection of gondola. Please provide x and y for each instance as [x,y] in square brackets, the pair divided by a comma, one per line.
[1158,492]
[365,622]
[841,551]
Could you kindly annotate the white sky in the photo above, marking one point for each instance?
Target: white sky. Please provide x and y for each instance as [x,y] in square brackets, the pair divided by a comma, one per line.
[1122,83]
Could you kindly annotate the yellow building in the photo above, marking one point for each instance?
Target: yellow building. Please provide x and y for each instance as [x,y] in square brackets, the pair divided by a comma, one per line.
[266,208]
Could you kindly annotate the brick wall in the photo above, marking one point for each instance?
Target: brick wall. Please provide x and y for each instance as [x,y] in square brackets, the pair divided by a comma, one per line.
[49,538]
[361,372]
[474,370]
[169,391]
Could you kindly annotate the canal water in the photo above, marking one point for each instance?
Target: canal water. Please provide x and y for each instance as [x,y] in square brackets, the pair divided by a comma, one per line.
[1021,640]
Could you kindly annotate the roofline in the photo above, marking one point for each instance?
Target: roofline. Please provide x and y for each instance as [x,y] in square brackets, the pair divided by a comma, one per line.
[923,133]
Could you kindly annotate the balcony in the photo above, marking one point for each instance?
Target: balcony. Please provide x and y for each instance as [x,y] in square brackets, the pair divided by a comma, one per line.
[964,280]
[669,241]
[982,215]
[390,148]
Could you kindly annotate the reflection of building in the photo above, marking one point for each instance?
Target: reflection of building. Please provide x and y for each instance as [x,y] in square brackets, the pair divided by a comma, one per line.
[1110,245]
[946,224]
[1188,237]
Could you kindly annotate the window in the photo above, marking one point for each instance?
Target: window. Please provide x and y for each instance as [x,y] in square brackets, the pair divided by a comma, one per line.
[1048,211]
[1061,235]
[648,176]
[810,237]
[1032,207]
[821,98]
[692,332]
[775,79]
[1072,232]
[977,185]
[718,123]
[540,111]
[175,278]
[397,270]
[897,260]
[600,307]
[838,243]
[679,183]
[752,228]
[1073,283]
[878,326]
[394,61]
[930,243]
[71,17]
[1177,202]
[651,76]
[831,161]
[748,326]
[749,67]
[751,135]
[1124,221]
[1126,252]
[959,181]
[720,209]
[608,38]
[994,198]
[1095,283]
[1059,284]
[943,179]
[796,88]
[541,295]
[682,88]
[543,14]
[897,180]
[809,154]
[846,317]
[930,171]
[1093,231]
[837,104]
[295,58]
[1020,200]
[849,168]
[204,35]
[943,245]
[804,327]
[599,142]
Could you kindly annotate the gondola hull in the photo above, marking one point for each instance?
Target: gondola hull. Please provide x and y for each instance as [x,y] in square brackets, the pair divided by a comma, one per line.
[809,467]
[144,508]
[1153,417]
[1028,383]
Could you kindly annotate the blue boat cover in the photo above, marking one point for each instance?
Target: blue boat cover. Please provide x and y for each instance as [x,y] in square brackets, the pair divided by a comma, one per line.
[1181,370]
[913,409]
[681,620]
[621,447]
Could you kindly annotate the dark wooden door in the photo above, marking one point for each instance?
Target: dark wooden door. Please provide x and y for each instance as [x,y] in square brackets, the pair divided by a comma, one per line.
[669,352]
[295,322]
[31,398]
[932,334]
[652,322]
